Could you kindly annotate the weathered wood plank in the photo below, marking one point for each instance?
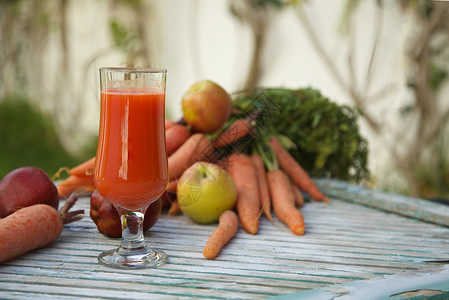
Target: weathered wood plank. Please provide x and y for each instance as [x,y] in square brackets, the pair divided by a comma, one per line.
[406,206]
[81,263]
[177,276]
[169,286]
[418,285]
[60,291]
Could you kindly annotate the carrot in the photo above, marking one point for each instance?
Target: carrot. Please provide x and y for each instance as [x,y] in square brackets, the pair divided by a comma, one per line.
[172,186]
[175,136]
[243,171]
[235,131]
[284,201]
[78,181]
[264,190]
[228,224]
[174,209]
[33,227]
[295,171]
[299,198]
[84,169]
[196,148]
[75,183]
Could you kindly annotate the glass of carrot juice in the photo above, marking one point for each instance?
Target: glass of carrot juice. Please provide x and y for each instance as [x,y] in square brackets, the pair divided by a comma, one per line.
[131,163]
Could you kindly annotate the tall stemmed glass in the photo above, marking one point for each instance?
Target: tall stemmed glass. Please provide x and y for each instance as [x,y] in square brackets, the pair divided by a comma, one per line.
[131,163]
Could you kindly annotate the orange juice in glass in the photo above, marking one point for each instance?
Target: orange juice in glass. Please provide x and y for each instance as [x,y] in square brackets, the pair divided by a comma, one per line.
[131,163]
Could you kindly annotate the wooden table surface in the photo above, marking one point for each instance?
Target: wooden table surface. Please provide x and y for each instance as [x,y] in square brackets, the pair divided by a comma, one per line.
[345,244]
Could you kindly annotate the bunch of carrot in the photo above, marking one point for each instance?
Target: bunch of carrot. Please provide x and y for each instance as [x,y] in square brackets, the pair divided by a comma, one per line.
[80,179]
[262,183]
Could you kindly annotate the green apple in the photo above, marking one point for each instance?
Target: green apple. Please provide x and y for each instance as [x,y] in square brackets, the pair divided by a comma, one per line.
[205,191]
[206,106]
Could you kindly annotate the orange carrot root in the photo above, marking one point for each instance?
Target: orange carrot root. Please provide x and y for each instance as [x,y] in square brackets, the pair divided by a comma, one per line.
[295,171]
[234,132]
[264,190]
[172,186]
[75,184]
[174,209]
[84,169]
[27,229]
[284,201]
[227,228]
[196,148]
[175,136]
[299,197]
[33,227]
[243,171]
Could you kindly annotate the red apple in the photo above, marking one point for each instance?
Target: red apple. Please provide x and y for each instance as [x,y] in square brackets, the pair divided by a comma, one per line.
[107,219]
[206,106]
[24,187]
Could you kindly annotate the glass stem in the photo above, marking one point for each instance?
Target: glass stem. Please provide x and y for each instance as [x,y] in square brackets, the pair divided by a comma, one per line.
[132,252]
[132,231]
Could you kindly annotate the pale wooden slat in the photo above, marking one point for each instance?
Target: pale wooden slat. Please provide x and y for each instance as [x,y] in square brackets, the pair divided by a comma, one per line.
[407,206]
[176,276]
[130,283]
[60,291]
[80,263]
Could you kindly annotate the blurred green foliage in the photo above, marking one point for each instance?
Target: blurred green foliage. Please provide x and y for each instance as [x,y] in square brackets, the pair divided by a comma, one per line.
[438,75]
[28,138]
[123,36]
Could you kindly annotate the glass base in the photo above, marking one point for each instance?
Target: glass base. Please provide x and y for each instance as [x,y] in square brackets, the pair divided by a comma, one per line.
[117,258]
